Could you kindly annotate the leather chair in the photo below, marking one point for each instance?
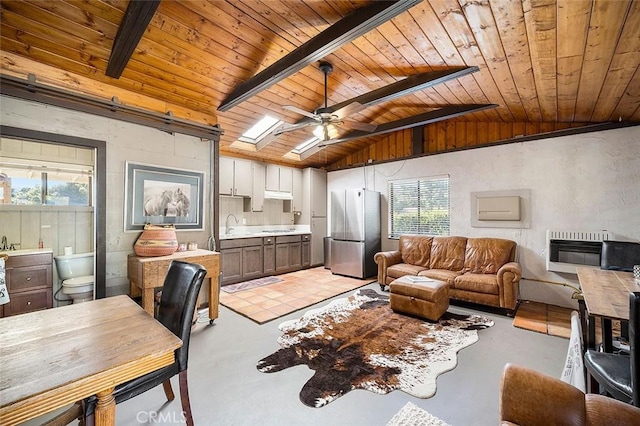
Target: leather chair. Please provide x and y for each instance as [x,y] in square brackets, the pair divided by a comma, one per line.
[177,305]
[528,397]
[617,374]
[619,255]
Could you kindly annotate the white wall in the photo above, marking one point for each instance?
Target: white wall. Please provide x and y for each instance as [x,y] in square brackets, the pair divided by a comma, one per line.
[125,142]
[580,182]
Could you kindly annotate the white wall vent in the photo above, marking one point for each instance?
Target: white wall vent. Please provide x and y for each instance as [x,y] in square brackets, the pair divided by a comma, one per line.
[498,208]
[579,235]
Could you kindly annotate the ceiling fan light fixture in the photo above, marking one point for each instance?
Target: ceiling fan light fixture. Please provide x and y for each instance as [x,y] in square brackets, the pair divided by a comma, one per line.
[321,132]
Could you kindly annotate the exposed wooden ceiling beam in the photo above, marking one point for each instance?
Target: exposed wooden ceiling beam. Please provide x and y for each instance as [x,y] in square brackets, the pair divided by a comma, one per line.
[342,32]
[406,86]
[133,25]
[440,114]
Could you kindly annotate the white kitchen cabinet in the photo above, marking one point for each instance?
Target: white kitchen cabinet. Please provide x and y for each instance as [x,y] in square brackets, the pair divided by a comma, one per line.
[318,232]
[314,189]
[233,177]
[257,192]
[278,178]
[296,190]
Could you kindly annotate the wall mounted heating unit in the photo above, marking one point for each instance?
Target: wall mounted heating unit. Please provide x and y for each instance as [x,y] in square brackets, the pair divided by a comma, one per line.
[568,249]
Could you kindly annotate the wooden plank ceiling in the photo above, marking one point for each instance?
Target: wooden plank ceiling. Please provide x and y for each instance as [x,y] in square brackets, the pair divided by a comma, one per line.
[546,64]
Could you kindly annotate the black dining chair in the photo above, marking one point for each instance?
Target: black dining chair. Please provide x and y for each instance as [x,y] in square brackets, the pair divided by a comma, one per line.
[618,374]
[177,305]
[619,256]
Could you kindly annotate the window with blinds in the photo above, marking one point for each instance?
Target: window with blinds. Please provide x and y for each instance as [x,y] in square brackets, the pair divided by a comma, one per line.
[419,206]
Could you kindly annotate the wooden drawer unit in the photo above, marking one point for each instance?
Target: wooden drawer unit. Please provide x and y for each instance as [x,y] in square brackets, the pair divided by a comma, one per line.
[28,301]
[29,279]
[148,273]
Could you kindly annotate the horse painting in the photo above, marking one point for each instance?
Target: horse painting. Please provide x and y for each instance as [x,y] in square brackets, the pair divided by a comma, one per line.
[182,203]
[156,205]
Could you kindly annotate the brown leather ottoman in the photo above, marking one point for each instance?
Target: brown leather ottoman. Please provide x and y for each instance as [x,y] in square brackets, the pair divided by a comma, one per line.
[428,299]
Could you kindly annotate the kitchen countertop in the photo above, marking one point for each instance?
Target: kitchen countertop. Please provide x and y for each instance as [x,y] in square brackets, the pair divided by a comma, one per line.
[22,252]
[268,233]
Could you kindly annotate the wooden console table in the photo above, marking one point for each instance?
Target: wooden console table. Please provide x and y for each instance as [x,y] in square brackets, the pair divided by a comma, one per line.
[147,273]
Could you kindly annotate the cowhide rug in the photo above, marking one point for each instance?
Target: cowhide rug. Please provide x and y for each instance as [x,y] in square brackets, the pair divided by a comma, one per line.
[360,343]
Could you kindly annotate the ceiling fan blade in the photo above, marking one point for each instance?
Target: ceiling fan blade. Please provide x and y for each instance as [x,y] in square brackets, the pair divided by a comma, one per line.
[352,108]
[299,111]
[291,127]
[355,125]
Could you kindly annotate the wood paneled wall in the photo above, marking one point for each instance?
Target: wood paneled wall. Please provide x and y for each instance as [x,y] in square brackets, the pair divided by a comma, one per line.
[447,136]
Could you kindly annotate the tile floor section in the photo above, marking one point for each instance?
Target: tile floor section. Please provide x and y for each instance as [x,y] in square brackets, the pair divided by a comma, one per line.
[299,290]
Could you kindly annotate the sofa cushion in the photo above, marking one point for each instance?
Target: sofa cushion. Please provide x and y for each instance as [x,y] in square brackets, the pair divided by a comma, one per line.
[441,275]
[401,269]
[487,255]
[478,283]
[448,253]
[415,249]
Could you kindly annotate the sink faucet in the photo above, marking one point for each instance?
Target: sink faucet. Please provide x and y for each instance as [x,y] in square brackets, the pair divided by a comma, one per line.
[227,228]
[4,245]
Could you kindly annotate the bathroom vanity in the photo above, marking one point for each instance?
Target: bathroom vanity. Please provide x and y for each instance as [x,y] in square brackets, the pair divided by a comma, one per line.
[29,279]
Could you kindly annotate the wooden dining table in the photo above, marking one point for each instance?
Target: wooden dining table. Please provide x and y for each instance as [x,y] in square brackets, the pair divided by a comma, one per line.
[55,357]
[606,296]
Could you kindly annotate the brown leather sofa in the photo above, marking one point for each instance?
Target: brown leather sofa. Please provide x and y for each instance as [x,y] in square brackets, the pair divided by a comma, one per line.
[528,397]
[478,270]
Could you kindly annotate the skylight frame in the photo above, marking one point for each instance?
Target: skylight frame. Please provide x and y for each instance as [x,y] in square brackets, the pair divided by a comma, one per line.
[306,145]
[261,128]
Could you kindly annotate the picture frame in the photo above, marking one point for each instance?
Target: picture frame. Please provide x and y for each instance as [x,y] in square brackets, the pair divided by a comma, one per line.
[163,196]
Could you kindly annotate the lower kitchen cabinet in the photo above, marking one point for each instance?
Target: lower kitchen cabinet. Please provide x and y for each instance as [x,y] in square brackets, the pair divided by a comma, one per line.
[252,262]
[288,253]
[231,265]
[269,250]
[241,259]
[305,251]
[248,258]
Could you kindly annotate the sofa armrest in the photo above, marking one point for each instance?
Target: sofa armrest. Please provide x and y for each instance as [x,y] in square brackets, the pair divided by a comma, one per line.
[384,259]
[509,276]
[528,397]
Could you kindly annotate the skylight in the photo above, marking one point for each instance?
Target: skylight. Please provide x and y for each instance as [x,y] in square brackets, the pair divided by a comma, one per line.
[260,129]
[308,144]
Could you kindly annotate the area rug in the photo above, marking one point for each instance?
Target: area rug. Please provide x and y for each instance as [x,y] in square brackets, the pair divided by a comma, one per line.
[297,290]
[412,415]
[360,343]
[248,285]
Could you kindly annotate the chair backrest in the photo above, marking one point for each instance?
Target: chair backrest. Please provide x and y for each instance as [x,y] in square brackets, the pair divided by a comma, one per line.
[634,345]
[620,255]
[178,303]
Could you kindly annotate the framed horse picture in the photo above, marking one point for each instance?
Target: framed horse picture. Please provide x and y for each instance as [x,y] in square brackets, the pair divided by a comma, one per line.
[163,196]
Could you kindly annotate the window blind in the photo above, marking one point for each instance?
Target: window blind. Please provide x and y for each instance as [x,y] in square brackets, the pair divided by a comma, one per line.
[419,206]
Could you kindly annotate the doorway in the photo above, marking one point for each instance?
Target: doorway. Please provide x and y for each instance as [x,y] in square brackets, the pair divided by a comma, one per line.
[98,188]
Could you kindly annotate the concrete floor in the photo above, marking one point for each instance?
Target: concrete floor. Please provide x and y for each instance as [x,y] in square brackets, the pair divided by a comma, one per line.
[227,389]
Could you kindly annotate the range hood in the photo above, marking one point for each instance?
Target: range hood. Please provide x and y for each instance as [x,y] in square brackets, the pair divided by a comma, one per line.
[277,195]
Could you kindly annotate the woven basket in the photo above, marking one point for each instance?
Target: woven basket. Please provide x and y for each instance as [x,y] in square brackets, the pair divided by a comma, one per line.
[156,240]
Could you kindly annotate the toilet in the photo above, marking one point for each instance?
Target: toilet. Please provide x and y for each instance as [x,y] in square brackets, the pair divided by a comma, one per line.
[76,273]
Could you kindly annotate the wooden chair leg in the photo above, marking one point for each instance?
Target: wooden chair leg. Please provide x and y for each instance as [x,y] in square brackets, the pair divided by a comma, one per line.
[168,391]
[184,397]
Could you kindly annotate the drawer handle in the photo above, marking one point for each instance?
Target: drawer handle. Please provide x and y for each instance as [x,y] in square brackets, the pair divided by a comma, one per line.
[28,302]
[28,278]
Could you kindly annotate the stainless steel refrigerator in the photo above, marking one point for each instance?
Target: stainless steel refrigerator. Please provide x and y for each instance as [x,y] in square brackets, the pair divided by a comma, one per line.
[355,232]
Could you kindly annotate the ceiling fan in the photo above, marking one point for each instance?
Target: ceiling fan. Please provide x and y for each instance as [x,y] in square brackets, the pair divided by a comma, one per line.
[327,120]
